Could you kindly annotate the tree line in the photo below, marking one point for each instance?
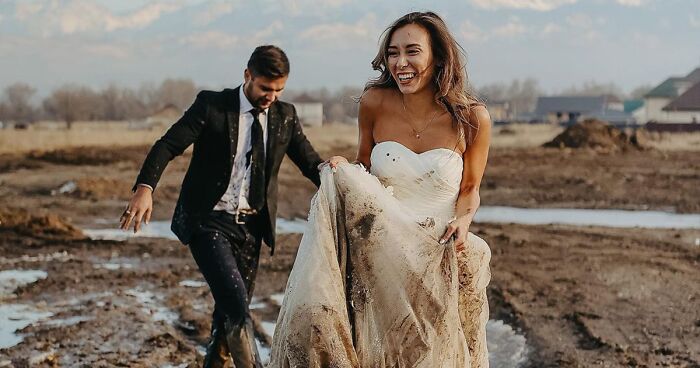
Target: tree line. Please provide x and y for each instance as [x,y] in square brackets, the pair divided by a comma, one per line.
[73,102]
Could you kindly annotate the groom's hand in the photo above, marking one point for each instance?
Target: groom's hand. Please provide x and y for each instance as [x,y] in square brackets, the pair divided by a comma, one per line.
[139,209]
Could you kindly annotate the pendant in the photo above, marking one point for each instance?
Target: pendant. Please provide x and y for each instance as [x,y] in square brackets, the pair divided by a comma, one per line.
[417,136]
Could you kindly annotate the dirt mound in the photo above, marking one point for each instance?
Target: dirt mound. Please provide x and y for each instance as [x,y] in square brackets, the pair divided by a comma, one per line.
[12,162]
[597,135]
[102,188]
[43,226]
[92,155]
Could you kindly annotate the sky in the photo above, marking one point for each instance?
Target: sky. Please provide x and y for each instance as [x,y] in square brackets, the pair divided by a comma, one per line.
[330,43]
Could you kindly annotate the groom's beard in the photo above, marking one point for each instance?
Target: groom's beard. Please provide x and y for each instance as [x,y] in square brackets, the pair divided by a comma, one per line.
[261,103]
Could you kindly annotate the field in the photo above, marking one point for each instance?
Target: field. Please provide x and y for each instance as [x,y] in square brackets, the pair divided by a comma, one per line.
[582,296]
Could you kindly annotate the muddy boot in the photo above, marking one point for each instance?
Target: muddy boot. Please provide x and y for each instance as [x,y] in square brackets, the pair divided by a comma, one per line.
[217,355]
[241,345]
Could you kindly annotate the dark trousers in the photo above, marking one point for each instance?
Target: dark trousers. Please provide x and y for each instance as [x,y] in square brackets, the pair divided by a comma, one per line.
[227,255]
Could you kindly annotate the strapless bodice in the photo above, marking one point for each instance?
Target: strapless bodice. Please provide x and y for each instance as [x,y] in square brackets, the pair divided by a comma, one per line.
[426,183]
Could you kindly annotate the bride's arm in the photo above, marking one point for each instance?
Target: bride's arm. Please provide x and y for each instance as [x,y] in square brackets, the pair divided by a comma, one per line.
[366,139]
[474,165]
[365,123]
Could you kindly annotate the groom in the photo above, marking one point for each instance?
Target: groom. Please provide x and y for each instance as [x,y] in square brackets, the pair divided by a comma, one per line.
[228,200]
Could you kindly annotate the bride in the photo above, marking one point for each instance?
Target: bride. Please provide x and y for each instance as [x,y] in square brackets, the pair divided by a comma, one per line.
[387,273]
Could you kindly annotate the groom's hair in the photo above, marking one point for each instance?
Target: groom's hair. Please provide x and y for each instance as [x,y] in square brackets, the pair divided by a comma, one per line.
[268,61]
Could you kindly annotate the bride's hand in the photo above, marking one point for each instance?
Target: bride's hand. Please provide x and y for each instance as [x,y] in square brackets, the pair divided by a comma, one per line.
[457,228]
[333,161]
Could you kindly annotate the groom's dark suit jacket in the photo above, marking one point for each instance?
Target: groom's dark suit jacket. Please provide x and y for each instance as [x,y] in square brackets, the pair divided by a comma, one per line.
[211,124]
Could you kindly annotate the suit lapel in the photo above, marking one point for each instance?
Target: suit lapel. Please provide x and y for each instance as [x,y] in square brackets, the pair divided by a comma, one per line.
[273,129]
[232,114]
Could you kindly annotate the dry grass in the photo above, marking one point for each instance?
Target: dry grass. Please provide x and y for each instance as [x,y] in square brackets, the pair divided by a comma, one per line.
[677,142]
[120,134]
[330,136]
[82,134]
[523,135]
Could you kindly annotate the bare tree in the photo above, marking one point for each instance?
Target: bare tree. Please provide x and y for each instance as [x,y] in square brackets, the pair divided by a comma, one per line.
[523,95]
[178,92]
[348,96]
[493,92]
[18,106]
[639,92]
[72,102]
[112,103]
[3,113]
[593,88]
[520,94]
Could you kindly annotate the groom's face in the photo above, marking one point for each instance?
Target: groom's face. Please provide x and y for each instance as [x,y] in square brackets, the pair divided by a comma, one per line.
[263,91]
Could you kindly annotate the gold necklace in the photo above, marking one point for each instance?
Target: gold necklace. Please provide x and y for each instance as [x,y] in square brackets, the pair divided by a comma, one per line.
[416,133]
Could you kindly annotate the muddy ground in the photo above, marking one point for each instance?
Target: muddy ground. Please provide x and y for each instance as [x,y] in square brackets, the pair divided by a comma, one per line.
[583,296]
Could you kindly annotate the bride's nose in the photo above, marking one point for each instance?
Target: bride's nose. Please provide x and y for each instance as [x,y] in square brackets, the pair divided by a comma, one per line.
[402,62]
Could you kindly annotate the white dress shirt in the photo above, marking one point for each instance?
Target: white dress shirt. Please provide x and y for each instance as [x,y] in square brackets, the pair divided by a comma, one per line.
[235,198]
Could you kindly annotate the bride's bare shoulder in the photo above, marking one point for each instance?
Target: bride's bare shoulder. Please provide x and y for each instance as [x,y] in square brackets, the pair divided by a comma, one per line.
[375,98]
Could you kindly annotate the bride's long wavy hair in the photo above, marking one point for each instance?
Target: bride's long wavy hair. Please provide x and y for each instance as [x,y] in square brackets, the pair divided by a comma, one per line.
[452,89]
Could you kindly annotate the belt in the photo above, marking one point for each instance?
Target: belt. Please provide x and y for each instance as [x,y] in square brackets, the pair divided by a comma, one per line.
[244,217]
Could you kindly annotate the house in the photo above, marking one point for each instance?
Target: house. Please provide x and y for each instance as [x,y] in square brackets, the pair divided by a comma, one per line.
[309,110]
[686,107]
[675,101]
[568,110]
[499,111]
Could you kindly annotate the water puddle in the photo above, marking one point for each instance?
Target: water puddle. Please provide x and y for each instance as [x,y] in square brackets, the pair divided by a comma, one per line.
[113,266]
[10,280]
[507,348]
[155,229]
[193,283]
[14,317]
[486,214]
[588,217]
[161,229]
[151,305]
[70,321]
[295,226]
[53,257]
[182,365]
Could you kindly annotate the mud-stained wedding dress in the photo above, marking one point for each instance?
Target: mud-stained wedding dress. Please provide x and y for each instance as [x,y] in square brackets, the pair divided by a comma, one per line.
[371,286]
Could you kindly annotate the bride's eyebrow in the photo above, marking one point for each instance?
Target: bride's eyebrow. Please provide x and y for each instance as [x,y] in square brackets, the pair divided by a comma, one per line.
[394,47]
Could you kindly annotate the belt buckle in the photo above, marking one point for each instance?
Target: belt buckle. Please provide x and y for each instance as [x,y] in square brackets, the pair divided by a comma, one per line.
[238,218]
[243,217]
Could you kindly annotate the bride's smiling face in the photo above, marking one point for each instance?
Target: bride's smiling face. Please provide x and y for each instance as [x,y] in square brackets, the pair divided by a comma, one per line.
[410,58]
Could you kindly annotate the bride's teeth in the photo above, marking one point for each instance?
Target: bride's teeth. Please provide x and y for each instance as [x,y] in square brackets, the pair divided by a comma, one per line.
[406,76]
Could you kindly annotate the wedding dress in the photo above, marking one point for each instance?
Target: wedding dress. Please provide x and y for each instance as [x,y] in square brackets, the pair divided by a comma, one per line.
[371,286]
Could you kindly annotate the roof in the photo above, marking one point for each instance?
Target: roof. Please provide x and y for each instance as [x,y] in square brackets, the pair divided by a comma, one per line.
[668,89]
[688,101]
[609,98]
[693,76]
[582,104]
[631,105]
[611,115]
[674,86]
